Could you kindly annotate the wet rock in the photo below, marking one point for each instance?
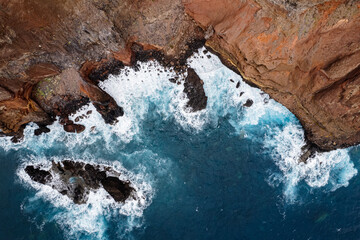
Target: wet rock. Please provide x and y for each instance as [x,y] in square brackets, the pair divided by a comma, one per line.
[109,110]
[38,175]
[116,188]
[248,103]
[77,179]
[308,151]
[42,129]
[193,87]
[74,128]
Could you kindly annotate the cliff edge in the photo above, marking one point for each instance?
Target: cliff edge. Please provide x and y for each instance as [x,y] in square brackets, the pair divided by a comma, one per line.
[305,54]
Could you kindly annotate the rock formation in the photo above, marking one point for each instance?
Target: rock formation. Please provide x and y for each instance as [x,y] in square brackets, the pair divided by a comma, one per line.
[305,54]
[77,179]
[193,88]
[48,50]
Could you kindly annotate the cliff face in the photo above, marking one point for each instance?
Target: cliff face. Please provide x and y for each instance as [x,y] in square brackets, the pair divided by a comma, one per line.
[305,54]
[44,44]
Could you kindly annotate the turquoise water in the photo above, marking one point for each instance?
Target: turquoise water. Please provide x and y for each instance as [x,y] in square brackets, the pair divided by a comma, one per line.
[227,172]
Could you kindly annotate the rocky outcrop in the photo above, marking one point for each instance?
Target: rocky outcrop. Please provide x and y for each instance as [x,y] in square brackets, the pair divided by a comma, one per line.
[45,47]
[305,54]
[77,179]
[193,88]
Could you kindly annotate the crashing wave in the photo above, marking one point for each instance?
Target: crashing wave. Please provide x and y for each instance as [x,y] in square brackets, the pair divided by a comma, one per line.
[90,218]
[331,170]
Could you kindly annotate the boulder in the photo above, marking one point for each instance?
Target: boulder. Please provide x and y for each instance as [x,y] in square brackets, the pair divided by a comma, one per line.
[193,88]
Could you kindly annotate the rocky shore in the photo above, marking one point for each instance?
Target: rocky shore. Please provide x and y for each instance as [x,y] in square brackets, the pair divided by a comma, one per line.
[304,54]
[77,179]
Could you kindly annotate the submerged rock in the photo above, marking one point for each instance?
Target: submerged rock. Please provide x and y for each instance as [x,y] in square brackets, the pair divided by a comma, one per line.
[77,179]
[193,87]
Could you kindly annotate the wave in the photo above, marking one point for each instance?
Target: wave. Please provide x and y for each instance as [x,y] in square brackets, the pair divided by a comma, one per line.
[147,93]
[328,170]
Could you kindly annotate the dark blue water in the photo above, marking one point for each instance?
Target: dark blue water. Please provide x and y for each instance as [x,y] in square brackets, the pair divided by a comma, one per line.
[227,173]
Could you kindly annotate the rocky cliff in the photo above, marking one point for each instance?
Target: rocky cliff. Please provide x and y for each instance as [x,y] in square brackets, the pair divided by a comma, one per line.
[52,53]
[305,54]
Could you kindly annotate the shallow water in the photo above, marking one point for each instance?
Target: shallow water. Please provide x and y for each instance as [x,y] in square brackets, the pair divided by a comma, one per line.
[227,172]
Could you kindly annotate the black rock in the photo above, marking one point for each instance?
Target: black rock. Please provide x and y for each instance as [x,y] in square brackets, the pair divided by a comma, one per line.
[41,130]
[38,175]
[109,110]
[308,151]
[118,189]
[77,179]
[193,87]
[248,103]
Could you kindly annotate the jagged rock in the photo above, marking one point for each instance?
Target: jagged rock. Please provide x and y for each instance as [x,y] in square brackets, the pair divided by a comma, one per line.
[308,151]
[193,87]
[38,175]
[77,179]
[116,188]
[248,103]
[42,129]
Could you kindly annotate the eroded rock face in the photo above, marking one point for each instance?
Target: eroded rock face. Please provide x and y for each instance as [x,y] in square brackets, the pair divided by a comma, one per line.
[77,179]
[305,54]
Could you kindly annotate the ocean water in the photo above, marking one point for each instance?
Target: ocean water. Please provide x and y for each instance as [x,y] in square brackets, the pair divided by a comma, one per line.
[226,172]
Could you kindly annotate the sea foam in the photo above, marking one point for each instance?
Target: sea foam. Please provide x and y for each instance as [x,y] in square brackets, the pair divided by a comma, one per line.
[90,219]
[328,170]
[148,93]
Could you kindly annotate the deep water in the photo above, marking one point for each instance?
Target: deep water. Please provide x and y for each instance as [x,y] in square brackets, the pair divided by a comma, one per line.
[227,172]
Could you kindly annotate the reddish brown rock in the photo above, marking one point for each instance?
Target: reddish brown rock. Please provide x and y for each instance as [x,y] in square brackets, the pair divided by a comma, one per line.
[43,44]
[305,54]
[74,128]
[16,112]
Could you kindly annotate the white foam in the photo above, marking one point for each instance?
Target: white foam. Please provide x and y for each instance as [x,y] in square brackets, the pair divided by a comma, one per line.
[149,93]
[328,170]
[88,219]
[149,89]
[225,99]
